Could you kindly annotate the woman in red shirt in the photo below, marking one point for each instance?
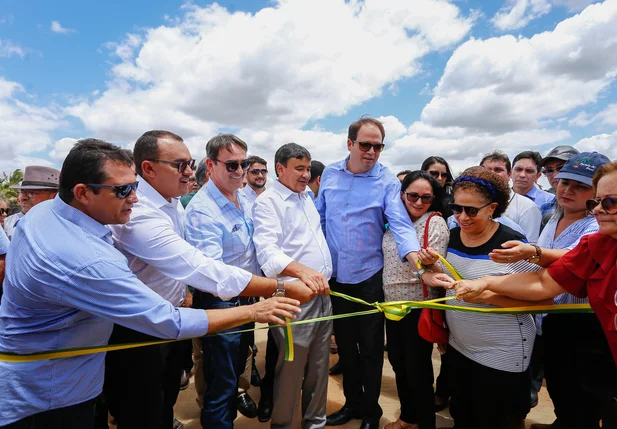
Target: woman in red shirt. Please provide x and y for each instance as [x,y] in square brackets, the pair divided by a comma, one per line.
[588,270]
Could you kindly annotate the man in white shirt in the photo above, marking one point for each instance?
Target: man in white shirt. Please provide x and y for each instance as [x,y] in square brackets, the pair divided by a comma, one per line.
[256,176]
[521,210]
[290,244]
[142,380]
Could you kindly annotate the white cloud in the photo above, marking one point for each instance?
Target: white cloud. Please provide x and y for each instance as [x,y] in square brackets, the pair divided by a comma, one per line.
[603,143]
[8,49]
[516,14]
[61,148]
[225,70]
[608,116]
[56,27]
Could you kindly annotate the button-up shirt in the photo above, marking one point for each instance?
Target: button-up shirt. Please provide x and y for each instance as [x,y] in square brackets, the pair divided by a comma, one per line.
[153,242]
[249,194]
[354,210]
[221,230]
[288,229]
[10,223]
[65,287]
[539,196]
[526,215]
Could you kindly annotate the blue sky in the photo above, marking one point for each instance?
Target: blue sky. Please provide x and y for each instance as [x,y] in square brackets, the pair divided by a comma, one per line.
[456,87]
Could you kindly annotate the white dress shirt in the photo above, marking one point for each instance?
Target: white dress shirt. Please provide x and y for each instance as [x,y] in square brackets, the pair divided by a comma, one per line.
[526,214]
[10,223]
[288,229]
[153,242]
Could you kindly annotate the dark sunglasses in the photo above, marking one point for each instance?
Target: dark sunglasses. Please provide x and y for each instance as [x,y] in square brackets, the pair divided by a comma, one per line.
[122,191]
[609,204]
[181,165]
[257,171]
[232,166]
[366,146]
[436,174]
[469,211]
[4,212]
[412,197]
[550,170]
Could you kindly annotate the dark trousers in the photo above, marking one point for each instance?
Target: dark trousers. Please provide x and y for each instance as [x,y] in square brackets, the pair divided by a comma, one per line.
[142,384]
[360,346]
[483,397]
[537,364]
[580,372]
[78,416]
[224,359]
[410,356]
[267,382]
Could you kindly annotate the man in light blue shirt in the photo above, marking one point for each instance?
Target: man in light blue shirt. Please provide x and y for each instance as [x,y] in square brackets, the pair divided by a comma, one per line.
[218,222]
[356,198]
[525,174]
[65,287]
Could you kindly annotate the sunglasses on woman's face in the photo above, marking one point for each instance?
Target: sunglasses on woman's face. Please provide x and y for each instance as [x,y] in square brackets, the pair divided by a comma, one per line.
[469,210]
[232,166]
[4,212]
[608,204]
[412,197]
[436,174]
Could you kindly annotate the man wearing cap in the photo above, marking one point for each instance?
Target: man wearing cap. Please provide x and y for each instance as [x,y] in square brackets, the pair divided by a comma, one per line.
[551,165]
[40,184]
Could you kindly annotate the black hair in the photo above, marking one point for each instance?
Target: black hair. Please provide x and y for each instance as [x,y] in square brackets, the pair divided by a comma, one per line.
[254,159]
[85,163]
[289,151]
[317,169]
[439,202]
[227,141]
[529,154]
[147,146]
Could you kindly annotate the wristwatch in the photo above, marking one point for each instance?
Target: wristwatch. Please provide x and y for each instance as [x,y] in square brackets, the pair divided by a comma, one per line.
[421,271]
[535,258]
[280,288]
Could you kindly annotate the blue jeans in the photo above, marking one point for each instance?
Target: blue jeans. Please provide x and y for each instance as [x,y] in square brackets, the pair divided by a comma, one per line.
[224,358]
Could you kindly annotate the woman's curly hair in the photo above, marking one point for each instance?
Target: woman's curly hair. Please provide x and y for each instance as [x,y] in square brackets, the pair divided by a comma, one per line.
[501,189]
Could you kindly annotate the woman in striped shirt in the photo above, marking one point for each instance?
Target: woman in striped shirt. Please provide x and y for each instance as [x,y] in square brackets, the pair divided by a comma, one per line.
[489,353]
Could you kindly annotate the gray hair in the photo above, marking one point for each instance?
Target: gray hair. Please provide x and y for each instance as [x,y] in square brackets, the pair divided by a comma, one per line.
[200,173]
[289,151]
[227,141]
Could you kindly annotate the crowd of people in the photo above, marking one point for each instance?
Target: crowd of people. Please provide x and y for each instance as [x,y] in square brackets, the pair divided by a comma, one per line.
[135,246]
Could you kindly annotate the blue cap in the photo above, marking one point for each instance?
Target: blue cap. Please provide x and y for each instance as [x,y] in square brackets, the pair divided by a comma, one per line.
[582,167]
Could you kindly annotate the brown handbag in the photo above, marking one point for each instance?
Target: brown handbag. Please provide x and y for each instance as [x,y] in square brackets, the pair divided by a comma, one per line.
[432,323]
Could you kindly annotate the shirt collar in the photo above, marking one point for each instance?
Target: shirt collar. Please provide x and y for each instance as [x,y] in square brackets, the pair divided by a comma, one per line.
[79,218]
[533,193]
[218,196]
[373,172]
[146,190]
[285,192]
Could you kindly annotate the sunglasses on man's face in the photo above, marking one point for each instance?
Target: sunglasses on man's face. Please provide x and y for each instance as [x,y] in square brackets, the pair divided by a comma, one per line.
[469,210]
[608,204]
[412,197]
[256,172]
[436,174]
[180,165]
[366,146]
[232,166]
[547,171]
[122,191]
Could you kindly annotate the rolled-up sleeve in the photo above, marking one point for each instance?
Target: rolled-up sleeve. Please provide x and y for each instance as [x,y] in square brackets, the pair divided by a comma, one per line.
[268,233]
[402,229]
[154,241]
[114,293]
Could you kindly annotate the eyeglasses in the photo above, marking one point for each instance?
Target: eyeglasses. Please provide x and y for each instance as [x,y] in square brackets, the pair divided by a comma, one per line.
[608,204]
[4,212]
[232,166]
[258,171]
[469,211]
[31,194]
[192,179]
[180,164]
[122,191]
[436,174]
[550,170]
[366,146]
[412,197]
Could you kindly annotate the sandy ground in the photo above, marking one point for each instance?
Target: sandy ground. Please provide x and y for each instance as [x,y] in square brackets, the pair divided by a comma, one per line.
[188,411]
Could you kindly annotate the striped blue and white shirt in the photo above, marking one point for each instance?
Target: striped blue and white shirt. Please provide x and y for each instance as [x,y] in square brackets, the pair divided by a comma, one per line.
[568,239]
[499,341]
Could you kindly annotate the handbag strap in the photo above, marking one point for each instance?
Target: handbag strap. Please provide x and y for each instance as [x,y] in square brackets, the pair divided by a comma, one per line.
[425,245]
